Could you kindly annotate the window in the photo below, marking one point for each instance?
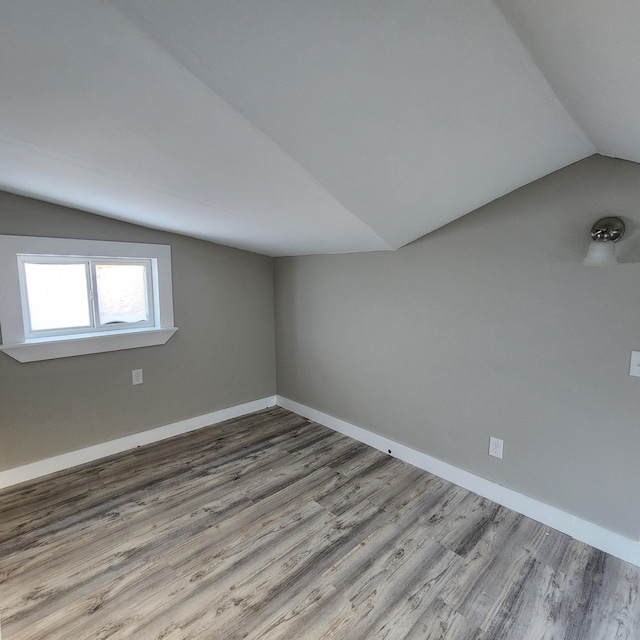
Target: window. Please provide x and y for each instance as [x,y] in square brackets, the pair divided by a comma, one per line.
[63,297]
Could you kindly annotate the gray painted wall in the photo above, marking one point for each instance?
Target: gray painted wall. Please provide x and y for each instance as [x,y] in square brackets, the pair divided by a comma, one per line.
[489,326]
[222,355]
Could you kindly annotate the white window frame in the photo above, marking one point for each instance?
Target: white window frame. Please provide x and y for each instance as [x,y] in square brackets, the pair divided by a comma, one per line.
[18,343]
[89,263]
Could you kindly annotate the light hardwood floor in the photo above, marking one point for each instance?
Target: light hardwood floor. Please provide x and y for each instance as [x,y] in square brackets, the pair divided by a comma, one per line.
[271,526]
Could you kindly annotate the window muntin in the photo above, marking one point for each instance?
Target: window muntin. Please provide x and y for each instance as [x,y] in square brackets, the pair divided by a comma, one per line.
[72,295]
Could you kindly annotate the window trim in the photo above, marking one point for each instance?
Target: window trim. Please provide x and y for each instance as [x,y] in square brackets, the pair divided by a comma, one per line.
[29,349]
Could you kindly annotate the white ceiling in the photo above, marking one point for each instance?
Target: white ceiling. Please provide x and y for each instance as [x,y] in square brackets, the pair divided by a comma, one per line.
[315,126]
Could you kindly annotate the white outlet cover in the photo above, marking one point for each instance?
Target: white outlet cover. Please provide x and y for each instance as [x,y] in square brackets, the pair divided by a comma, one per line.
[136,376]
[634,366]
[496,447]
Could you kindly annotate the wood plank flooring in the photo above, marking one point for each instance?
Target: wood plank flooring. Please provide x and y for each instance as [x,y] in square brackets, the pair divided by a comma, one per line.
[273,527]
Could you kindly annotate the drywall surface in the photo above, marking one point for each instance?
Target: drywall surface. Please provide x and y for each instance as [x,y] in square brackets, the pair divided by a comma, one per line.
[222,355]
[490,326]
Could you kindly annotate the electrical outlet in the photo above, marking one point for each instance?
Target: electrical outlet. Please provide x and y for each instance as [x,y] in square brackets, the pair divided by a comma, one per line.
[136,376]
[634,365]
[495,447]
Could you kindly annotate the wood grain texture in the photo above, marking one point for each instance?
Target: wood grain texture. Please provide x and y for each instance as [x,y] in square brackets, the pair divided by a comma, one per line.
[272,527]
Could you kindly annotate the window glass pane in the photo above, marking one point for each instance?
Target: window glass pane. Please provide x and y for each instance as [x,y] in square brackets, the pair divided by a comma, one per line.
[58,296]
[122,293]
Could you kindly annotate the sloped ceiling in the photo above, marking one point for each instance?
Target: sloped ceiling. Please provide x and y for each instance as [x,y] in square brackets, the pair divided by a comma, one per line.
[312,126]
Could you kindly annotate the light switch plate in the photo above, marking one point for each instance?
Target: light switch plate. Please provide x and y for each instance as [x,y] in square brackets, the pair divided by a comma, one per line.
[634,367]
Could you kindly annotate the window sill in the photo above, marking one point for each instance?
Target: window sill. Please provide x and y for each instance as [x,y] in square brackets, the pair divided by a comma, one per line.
[51,348]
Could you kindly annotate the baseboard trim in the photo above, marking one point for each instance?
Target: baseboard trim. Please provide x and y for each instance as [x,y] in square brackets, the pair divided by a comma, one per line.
[64,461]
[582,530]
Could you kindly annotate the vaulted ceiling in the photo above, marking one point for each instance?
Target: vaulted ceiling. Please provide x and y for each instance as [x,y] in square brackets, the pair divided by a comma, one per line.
[314,126]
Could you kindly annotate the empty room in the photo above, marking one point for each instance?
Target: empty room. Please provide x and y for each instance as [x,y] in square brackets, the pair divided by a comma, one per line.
[319,320]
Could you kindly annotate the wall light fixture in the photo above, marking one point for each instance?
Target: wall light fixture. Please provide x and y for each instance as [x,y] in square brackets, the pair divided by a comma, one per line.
[604,234]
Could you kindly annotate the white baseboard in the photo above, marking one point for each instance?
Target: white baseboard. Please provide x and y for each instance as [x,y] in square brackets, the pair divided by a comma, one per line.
[592,534]
[95,452]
